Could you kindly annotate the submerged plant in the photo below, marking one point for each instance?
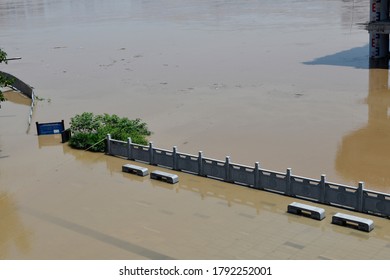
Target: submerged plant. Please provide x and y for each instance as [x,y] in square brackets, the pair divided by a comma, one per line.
[4,81]
[89,130]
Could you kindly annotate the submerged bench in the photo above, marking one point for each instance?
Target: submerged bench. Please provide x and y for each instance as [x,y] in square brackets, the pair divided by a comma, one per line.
[164,176]
[140,171]
[306,210]
[349,220]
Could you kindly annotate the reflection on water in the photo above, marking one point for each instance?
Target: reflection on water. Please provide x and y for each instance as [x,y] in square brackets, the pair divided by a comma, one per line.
[356,57]
[205,188]
[12,231]
[49,140]
[364,154]
[258,203]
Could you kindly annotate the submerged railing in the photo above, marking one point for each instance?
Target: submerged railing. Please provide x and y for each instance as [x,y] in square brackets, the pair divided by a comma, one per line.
[320,191]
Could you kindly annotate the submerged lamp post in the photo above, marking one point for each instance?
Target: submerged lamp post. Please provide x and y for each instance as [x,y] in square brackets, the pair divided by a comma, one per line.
[13,58]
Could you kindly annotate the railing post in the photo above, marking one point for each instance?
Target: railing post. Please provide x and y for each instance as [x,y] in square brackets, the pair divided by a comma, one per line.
[256,175]
[37,125]
[200,164]
[108,144]
[323,189]
[227,169]
[151,153]
[174,155]
[360,197]
[129,150]
[288,182]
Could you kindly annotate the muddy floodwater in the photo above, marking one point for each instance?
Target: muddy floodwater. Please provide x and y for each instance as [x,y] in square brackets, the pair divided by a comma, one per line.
[282,83]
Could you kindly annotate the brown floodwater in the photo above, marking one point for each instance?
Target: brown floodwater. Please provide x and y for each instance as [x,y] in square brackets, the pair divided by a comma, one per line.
[286,84]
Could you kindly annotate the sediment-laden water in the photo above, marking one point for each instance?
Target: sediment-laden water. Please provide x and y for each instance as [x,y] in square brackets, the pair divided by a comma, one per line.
[286,84]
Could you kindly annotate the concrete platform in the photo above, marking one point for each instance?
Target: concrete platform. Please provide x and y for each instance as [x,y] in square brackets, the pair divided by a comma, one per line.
[130,168]
[164,176]
[353,221]
[306,210]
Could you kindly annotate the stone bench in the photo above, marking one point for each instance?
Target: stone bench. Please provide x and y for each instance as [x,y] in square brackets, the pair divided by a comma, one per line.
[140,171]
[353,221]
[306,210]
[164,176]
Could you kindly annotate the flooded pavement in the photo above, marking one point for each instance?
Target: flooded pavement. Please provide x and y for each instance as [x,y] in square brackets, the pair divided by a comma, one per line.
[79,205]
[364,153]
[287,85]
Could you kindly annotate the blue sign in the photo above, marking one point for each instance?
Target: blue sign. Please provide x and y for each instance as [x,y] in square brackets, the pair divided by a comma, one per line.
[50,128]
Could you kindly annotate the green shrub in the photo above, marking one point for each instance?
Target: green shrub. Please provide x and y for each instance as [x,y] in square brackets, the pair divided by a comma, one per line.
[4,81]
[88,131]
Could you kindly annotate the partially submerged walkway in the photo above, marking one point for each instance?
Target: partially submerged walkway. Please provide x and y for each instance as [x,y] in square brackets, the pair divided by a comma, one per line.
[60,203]
[77,205]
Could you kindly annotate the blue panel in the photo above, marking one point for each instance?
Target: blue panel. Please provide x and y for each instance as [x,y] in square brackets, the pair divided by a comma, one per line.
[50,128]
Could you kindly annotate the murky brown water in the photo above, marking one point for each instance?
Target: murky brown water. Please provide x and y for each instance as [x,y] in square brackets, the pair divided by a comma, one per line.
[287,85]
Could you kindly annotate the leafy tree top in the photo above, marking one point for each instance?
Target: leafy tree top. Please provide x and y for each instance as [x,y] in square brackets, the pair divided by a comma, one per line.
[89,130]
[3,80]
[3,56]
